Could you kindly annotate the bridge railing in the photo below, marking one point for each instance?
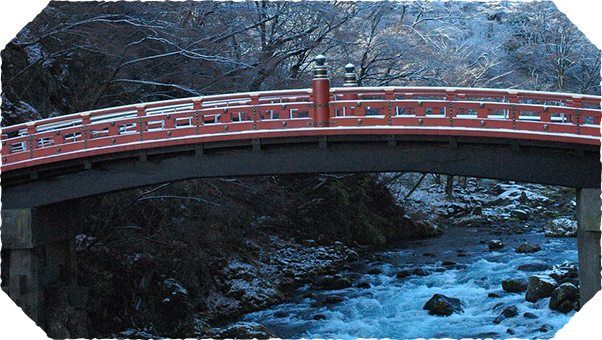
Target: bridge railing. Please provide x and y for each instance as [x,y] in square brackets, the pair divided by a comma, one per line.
[468,108]
[547,116]
[155,121]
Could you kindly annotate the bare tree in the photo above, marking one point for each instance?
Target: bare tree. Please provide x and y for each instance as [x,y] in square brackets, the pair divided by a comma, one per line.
[554,54]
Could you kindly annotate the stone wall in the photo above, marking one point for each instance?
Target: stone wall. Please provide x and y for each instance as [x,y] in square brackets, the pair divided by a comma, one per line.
[65,311]
[4,320]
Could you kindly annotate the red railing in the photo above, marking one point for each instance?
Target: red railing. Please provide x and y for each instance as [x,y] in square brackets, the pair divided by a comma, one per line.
[396,110]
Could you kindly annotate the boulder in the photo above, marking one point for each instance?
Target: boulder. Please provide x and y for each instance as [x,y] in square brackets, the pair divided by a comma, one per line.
[545,328]
[404,273]
[533,267]
[561,227]
[136,334]
[375,271]
[527,248]
[421,272]
[242,330]
[521,214]
[443,305]
[334,282]
[493,295]
[281,314]
[339,246]
[528,315]
[351,256]
[363,285]
[495,244]
[333,299]
[319,317]
[564,270]
[564,298]
[539,287]
[309,243]
[508,312]
[518,195]
[514,285]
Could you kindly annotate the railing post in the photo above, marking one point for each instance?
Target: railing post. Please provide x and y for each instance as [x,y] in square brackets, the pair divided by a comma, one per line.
[350,76]
[350,81]
[321,92]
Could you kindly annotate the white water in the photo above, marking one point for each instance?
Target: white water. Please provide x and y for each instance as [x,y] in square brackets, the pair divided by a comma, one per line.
[392,308]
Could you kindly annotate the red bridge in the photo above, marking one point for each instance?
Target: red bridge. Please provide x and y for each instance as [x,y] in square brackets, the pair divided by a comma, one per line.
[551,138]
[541,137]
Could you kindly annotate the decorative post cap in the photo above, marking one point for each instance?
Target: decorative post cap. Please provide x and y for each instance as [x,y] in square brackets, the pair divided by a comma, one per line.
[320,71]
[350,76]
[320,60]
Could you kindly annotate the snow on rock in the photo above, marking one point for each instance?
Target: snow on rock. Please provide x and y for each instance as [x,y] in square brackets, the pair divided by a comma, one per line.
[136,334]
[240,330]
[520,194]
[507,205]
[561,227]
[250,286]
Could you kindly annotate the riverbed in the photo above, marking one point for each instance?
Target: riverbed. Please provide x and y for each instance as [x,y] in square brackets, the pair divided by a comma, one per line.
[457,264]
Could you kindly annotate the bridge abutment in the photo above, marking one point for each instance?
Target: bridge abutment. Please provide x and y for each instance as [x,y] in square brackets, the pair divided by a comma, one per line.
[39,246]
[588,242]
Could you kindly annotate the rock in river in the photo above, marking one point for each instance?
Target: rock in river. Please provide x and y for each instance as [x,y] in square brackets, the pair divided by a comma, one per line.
[495,244]
[564,270]
[535,266]
[508,312]
[334,282]
[539,287]
[564,298]
[514,285]
[443,305]
[527,248]
[561,227]
[241,330]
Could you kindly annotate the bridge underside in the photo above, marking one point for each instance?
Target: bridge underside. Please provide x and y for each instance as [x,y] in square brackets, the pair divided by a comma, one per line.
[561,164]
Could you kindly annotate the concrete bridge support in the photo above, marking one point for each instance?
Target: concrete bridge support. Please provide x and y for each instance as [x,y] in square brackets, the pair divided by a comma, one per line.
[39,247]
[588,242]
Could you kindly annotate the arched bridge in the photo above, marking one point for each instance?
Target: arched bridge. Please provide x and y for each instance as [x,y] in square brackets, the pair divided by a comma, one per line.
[551,138]
[541,137]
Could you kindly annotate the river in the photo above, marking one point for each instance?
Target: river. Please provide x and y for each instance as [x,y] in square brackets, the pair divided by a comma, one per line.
[393,307]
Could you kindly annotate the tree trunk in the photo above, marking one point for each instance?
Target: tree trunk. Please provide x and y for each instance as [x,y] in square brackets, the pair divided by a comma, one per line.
[449,186]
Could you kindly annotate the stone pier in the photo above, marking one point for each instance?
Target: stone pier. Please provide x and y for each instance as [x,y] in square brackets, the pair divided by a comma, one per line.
[38,244]
[588,242]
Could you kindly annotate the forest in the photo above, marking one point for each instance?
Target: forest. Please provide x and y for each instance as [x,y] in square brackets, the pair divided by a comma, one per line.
[79,56]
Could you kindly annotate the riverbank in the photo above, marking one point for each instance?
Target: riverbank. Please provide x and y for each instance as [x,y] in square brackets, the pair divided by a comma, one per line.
[179,259]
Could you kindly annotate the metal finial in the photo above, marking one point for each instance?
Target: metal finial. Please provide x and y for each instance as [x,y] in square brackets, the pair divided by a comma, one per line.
[350,76]
[320,60]
[320,71]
